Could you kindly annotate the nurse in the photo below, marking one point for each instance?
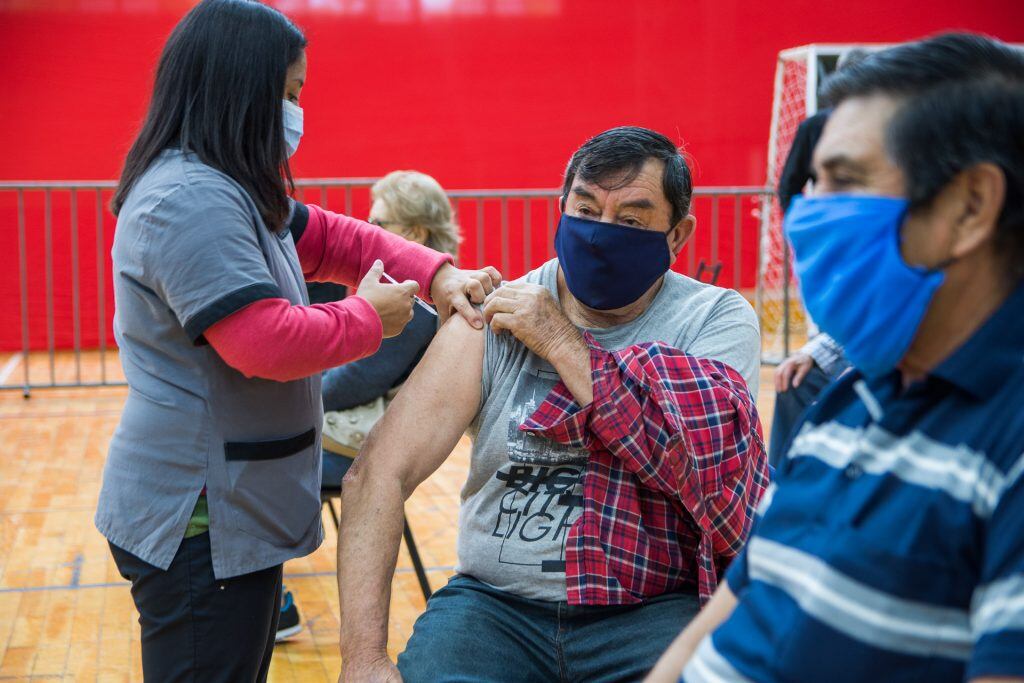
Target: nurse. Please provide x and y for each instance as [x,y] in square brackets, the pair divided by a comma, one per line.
[213,475]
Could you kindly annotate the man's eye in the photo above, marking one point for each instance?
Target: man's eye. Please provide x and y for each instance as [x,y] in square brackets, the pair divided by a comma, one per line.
[584,211]
[632,222]
[837,183]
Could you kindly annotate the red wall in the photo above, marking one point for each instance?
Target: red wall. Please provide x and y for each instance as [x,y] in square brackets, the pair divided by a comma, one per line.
[479,93]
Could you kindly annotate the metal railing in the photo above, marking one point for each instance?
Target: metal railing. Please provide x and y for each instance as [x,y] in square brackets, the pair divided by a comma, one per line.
[64,230]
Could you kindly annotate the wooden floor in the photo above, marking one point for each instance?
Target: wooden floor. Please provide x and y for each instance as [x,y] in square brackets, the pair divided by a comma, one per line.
[66,614]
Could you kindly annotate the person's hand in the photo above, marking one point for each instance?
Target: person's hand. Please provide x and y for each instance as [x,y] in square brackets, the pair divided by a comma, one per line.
[791,372]
[532,315]
[456,290]
[393,303]
[378,670]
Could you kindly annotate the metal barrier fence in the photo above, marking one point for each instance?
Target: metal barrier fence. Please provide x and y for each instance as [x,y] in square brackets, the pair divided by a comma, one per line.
[58,324]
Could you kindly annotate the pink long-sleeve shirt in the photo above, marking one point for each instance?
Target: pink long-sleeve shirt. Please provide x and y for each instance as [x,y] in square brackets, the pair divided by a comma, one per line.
[273,339]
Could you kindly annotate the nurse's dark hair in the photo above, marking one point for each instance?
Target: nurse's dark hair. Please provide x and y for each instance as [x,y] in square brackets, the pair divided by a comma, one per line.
[614,158]
[962,104]
[218,91]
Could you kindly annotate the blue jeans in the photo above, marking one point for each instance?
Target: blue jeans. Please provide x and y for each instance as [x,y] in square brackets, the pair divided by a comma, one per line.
[473,632]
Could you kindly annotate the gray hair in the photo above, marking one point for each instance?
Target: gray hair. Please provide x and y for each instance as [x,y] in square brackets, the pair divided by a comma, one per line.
[414,198]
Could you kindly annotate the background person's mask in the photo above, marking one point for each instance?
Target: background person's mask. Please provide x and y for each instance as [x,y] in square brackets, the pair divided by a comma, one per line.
[292,126]
[853,280]
[608,266]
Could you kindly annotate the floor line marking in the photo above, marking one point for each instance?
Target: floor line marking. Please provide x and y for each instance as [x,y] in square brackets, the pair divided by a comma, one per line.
[9,366]
[118,584]
[76,570]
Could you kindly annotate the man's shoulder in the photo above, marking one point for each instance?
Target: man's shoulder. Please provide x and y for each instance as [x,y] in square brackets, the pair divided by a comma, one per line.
[690,296]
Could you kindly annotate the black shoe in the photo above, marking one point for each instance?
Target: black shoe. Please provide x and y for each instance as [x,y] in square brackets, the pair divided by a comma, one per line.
[288,623]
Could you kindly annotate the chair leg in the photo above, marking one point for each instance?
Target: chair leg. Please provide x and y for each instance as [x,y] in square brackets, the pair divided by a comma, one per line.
[417,564]
[334,515]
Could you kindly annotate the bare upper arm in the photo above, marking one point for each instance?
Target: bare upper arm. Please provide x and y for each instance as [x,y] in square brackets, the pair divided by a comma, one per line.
[435,406]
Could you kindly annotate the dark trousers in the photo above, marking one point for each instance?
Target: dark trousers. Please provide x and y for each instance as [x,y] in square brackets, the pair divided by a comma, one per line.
[473,632]
[197,628]
[790,406]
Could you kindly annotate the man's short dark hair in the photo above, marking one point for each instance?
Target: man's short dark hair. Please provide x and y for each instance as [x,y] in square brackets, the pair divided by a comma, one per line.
[614,158]
[963,105]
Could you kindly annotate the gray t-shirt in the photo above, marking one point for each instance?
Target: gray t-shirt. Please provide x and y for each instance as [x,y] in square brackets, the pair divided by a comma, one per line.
[524,492]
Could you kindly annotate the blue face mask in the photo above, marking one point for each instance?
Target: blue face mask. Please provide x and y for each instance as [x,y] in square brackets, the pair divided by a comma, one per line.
[608,266]
[854,282]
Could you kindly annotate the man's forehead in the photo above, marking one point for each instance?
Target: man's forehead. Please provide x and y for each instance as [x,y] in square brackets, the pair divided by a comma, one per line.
[645,183]
[855,131]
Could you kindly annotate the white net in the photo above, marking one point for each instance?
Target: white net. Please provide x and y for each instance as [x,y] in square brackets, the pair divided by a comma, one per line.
[783,322]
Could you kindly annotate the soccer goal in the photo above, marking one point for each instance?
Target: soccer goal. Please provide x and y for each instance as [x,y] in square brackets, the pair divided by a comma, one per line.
[798,73]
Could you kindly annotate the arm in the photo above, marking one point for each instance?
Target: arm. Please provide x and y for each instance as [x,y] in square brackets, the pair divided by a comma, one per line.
[671,664]
[356,383]
[409,443]
[273,339]
[824,350]
[337,248]
[341,249]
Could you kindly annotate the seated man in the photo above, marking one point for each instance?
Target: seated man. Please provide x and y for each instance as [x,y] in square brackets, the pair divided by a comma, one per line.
[612,474]
[893,547]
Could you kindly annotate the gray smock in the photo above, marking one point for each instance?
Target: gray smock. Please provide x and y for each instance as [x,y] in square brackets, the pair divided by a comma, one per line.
[190,248]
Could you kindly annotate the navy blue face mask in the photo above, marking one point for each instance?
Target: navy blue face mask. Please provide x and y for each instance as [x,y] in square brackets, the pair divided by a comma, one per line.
[608,266]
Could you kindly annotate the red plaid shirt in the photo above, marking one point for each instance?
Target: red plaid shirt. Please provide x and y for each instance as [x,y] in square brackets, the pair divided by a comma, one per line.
[677,467]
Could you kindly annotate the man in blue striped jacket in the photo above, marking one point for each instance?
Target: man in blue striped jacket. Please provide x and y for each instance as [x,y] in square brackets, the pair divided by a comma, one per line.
[891,547]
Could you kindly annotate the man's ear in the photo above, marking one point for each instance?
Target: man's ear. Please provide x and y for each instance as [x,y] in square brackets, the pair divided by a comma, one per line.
[680,233]
[980,195]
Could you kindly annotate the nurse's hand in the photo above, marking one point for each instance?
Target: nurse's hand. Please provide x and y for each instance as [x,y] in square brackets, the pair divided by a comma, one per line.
[456,290]
[393,303]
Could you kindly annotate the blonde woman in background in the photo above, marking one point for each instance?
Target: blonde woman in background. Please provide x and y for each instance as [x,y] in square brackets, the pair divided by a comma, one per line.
[414,206]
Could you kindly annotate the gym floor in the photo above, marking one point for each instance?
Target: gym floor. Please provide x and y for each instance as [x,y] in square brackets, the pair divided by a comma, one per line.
[65,612]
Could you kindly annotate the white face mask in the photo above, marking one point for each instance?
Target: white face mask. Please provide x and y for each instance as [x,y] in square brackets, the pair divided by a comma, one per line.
[292,126]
